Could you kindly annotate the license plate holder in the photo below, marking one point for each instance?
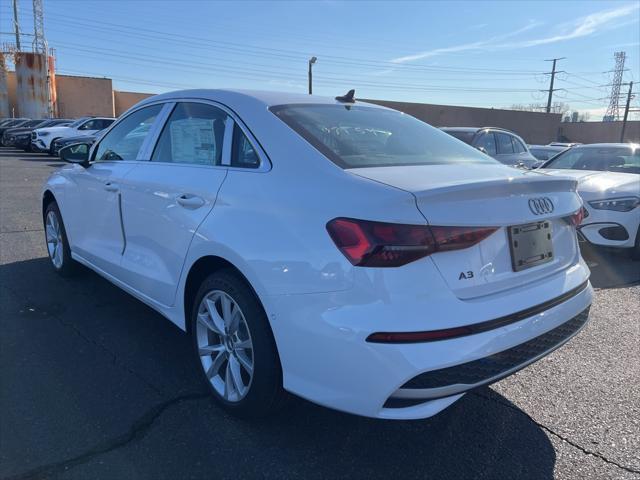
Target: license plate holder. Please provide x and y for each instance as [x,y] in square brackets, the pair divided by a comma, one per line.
[530,244]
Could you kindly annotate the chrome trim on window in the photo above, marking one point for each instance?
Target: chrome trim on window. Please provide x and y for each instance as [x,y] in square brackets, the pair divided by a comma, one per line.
[149,143]
[227,141]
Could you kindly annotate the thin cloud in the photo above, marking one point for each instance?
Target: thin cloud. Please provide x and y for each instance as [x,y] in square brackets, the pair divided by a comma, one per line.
[586,26]
[582,27]
[479,45]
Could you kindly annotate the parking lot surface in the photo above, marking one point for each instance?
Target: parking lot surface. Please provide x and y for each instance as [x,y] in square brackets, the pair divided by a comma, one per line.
[93,384]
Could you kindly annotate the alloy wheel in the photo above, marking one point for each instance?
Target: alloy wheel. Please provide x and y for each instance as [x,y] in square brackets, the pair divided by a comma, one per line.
[53,234]
[224,345]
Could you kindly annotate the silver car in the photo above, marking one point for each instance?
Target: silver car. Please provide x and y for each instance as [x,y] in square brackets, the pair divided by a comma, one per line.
[503,145]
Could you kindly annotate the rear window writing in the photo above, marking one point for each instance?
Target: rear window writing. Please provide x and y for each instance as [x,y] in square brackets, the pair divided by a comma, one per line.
[355,136]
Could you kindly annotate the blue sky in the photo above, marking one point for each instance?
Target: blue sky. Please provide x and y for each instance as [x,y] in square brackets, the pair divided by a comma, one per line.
[462,53]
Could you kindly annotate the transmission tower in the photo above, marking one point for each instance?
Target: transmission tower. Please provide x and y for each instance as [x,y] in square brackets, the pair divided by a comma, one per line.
[39,42]
[613,111]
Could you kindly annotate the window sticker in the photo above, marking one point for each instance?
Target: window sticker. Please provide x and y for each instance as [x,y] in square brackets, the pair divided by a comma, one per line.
[192,141]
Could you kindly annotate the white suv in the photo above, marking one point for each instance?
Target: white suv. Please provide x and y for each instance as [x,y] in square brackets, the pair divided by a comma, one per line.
[42,138]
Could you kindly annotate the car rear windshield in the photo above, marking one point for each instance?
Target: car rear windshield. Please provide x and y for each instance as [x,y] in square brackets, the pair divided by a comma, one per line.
[605,159]
[354,136]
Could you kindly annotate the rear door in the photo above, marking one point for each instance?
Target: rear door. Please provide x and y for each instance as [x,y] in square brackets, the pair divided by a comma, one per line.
[522,154]
[506,153]
[165,199]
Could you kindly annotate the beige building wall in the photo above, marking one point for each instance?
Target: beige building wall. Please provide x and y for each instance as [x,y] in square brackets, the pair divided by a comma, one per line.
[600,132]
[79,96]
[533,127]
[123,101]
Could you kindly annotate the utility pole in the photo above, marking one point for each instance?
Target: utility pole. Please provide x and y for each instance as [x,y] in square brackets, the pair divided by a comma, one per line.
[16,25]
[626,112]
[553,75]
[312,60]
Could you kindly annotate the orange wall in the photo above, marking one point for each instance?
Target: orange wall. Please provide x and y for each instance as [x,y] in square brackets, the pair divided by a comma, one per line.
[80,96]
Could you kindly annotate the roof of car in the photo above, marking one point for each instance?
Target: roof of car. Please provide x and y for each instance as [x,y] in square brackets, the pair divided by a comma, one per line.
[603,145]
[263,97]
[475,129]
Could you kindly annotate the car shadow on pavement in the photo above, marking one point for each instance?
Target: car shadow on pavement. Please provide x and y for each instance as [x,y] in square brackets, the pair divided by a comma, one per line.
[611,268]
[85,367]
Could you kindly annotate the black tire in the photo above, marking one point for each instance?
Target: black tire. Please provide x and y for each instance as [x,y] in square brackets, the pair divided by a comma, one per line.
[68,266]
[635,251]
[51,147]
[265,394]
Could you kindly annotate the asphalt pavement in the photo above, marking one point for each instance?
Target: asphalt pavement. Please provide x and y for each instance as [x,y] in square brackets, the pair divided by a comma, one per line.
[95,385]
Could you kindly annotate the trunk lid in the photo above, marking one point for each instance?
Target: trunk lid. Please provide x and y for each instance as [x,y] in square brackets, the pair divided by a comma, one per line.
[488,196]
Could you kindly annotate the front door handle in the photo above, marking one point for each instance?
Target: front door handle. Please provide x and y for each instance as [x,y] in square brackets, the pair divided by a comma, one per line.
[111,187]
[190,201]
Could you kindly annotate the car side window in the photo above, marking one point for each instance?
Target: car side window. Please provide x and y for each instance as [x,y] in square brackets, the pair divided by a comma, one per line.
[193,134]
[504,143]
[487,142]
[104,124]
[88,125]
[124,140]
[518,147]
[243,155]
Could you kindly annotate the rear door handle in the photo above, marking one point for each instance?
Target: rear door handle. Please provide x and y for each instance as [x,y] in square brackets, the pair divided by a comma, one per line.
[111,187]
[190,201]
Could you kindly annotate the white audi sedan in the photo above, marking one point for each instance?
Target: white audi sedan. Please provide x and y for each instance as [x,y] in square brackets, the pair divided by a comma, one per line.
[608,176]
[339,251]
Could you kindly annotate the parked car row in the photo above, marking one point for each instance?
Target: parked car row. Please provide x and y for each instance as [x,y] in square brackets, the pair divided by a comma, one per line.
[608,176]
[41,135]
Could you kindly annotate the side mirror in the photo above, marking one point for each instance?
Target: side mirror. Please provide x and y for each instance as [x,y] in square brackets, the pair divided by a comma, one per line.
[483,150]
[76,153]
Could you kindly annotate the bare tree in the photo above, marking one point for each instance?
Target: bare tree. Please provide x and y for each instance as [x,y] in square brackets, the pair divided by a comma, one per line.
[556,107]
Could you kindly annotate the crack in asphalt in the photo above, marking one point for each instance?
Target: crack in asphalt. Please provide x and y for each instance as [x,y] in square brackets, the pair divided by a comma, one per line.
[138,430]
[112,355]
[557,435]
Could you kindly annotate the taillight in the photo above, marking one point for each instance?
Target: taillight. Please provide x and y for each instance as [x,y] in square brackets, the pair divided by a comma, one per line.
[377,244]
[576,218]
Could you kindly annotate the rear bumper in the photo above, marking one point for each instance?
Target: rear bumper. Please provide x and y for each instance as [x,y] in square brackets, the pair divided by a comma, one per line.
[461,378]
[326,359]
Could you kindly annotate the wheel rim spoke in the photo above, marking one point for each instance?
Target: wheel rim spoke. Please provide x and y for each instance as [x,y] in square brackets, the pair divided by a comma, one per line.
[211,350]
[51,233]
[233,321]
[217,321]
[205,319]
[229,387]
[225,302]
[244,362]
[236,376]
[214,368]
[244,345]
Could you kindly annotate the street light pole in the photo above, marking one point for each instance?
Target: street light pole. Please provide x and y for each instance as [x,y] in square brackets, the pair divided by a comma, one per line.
[312,60]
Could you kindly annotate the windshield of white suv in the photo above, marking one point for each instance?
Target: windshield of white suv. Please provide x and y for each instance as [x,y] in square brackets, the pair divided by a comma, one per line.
[604,159]
[78,122]
[354,136]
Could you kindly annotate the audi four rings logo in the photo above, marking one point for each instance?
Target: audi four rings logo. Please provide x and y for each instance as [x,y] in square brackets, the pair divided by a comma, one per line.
[541,205]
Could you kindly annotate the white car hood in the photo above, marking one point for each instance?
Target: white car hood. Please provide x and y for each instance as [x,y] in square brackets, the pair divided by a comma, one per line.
[56,130]
[602,184]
